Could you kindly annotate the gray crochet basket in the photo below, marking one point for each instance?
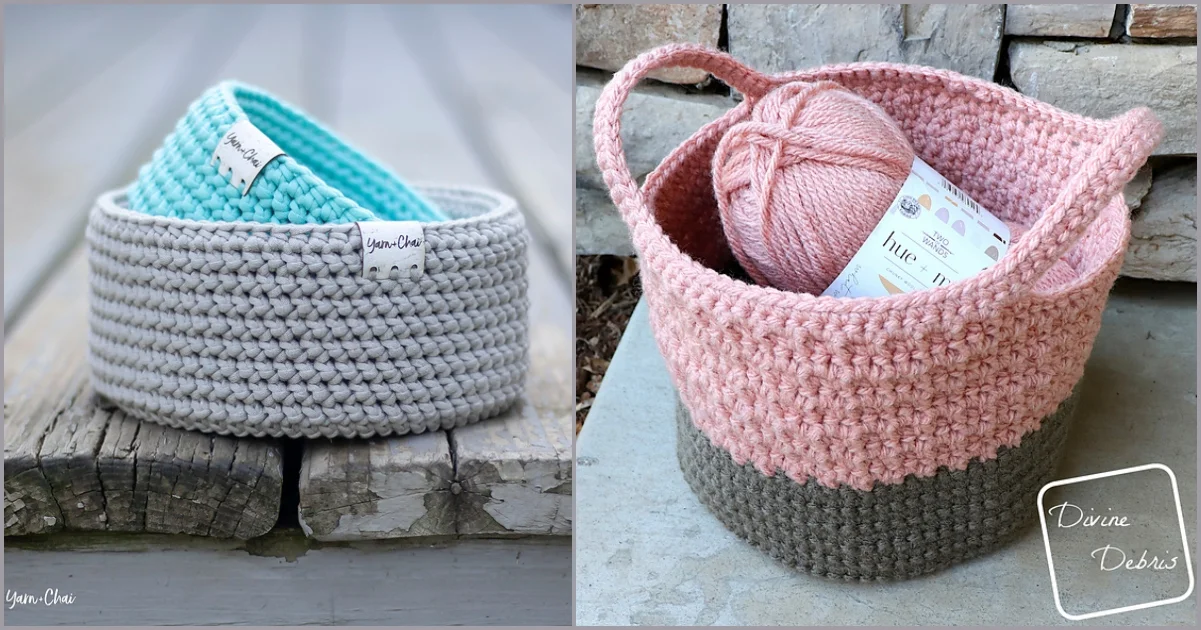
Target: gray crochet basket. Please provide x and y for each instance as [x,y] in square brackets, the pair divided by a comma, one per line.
[893,532]
[256,329]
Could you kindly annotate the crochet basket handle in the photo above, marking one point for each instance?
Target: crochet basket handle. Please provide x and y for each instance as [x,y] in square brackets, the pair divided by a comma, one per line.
[1128,143]
[606,124]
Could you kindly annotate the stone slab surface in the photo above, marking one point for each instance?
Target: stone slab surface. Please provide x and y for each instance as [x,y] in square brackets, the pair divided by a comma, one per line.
[608,35]
[779,37]
[1162,20]
[1105,80]
[1163,234]
[647,552]
[655,122]
[1059,20]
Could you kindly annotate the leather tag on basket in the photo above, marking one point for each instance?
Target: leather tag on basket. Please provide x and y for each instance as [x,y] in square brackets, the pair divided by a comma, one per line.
[391,245]
[243,153]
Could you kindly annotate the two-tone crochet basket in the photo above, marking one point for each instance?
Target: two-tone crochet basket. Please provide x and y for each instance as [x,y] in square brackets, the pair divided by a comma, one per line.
[248,311]
[883,438]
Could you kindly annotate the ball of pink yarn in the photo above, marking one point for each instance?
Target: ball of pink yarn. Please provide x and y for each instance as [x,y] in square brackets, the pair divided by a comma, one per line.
[802,183]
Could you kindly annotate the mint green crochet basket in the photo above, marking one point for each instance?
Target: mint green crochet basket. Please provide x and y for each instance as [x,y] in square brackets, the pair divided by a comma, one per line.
[320,179]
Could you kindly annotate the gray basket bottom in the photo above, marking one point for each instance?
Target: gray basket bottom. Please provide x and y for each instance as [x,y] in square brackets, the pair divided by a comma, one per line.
[892,532]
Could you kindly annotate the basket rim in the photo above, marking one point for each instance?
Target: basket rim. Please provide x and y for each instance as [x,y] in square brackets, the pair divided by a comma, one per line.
[500,207]
[1125,141]
[236,95]
[713,282]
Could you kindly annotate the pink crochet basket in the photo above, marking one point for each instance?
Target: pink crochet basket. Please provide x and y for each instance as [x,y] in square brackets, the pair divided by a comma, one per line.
[879,438]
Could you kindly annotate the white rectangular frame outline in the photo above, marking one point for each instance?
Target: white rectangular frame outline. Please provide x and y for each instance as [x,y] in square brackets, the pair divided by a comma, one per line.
[1188,563]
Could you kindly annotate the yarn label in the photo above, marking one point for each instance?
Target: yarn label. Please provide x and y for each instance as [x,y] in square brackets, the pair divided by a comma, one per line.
[389,245]
[932,235]
[243,153]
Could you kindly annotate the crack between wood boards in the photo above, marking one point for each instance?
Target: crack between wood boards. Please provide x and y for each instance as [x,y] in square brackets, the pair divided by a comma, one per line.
[253,488]
[291,453]
[466,116]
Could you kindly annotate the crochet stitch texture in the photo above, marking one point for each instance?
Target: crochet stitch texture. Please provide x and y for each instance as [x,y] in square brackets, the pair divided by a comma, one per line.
[892,532]
[251,315]
[271,330]
[860,392]
[321,179]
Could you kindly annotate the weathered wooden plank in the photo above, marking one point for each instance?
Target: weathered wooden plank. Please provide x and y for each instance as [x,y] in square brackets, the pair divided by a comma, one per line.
[37,380]
[515,116]
[74,462]
[516,471]
[426,143]
[95,138]
[380,488]
[158,581]
[74,44]
[68,462]
[207,485]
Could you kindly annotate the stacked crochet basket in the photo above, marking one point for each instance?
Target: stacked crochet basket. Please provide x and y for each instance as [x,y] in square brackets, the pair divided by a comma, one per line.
[249,312]
[883,438]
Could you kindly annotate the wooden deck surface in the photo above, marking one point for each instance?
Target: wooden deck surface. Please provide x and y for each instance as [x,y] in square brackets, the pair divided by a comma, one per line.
[470,95]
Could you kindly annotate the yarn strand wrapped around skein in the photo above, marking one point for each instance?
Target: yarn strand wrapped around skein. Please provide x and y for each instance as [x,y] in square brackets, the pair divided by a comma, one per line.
[802,183]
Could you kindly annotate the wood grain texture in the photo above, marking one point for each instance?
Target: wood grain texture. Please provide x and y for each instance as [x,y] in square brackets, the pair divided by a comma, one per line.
[82,466]
[72,44]
[516,113]
[515,473]
[73,462]
[135,581]
[435,496]
[1060,20]
[91,135]
[1162,20]
[379,488]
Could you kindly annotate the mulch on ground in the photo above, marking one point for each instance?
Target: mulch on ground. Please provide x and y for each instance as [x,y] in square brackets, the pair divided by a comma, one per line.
[607,290]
